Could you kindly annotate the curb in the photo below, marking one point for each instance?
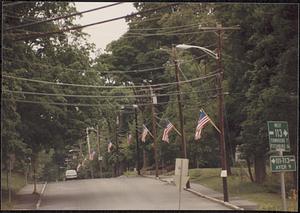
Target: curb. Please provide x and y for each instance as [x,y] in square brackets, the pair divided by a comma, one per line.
[227,204]
[40,198]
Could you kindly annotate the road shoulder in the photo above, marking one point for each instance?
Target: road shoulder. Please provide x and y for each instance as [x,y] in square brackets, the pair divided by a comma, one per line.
[235,203]
[25,199]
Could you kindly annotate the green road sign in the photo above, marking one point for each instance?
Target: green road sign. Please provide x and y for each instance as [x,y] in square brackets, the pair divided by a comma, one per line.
[278,135]
[283,163]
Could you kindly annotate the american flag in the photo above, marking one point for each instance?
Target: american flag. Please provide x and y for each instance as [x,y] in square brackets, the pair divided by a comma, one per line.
[109,146]
[79,165]
[129,138]
[203,119]
[144,134]
[168,128]
[91,157]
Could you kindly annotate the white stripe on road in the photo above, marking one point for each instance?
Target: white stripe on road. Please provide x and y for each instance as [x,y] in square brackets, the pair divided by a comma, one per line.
[40,199]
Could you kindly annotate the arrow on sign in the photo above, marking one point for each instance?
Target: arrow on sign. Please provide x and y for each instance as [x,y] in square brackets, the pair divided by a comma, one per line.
[271,132]
[285,133]
[273,160]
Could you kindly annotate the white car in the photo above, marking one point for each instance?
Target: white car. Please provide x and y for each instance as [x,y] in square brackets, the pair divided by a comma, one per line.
[71,174]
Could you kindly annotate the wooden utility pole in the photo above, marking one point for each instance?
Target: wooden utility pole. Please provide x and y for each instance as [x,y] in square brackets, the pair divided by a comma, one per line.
[99,153]
[179,100]
[117,144]
[9,180]
[137,141]
[154,132]
[221,115]
[89,150]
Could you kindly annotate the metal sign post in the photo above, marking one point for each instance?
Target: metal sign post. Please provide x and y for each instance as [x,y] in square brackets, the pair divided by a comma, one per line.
[282,183]
[279,140]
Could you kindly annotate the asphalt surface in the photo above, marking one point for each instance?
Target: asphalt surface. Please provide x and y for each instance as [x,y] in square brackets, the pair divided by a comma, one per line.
[122,193]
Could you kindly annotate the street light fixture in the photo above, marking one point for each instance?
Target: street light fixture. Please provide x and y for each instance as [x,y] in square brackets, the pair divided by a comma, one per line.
[207,51]
[217,56]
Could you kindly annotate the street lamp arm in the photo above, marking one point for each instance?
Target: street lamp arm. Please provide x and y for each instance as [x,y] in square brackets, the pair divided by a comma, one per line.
[209,52]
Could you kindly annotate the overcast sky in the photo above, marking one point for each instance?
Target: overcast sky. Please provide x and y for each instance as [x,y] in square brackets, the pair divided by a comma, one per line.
[103,34]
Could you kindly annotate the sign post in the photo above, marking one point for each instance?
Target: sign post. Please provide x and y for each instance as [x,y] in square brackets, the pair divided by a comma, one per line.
[282,184]
[181,175]
[279,140]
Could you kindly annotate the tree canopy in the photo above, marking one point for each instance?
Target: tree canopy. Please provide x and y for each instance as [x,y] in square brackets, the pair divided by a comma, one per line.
[53,90]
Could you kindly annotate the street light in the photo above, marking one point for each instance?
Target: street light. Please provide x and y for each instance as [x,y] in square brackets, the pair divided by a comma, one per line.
[217,56]
[209,52]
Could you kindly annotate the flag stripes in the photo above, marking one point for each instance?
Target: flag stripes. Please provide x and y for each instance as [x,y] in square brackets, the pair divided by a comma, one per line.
[168,128]
[203,119]
[109,146]
[144,134]
[129,138]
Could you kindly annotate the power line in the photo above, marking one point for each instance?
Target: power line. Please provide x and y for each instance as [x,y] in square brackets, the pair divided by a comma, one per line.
[112,71]
[108,71]
[159,32]
[107,86]
[166,34]
[143,20]
[14,3]
[100,96]
[62,17]
[162,28]
[85,70]
[81,104]
[96,23]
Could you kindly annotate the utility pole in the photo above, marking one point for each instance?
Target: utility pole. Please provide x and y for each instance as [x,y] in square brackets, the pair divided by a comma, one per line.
[80,151]
[9,179]
[137,141]
[99,154]
[179,100]
[89,150]
[88,140]
[117,145]
[221,115]
[154,132]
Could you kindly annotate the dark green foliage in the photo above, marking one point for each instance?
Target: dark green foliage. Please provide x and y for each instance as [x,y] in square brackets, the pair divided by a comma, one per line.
[260,74]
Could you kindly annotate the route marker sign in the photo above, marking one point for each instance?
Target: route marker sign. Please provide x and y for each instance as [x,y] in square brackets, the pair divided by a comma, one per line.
[283,163]
[278,135]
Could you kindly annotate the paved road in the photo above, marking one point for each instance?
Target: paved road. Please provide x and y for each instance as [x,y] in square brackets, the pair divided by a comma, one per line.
[122,193]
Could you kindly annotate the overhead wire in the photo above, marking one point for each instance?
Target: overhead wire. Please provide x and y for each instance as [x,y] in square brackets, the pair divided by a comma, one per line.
[107,86]
[162,28]
[63,17]
[7,59]
[166,34]
[82,104]
[14,3]
[95,23]
[91,69]
[99,96]
[18,17]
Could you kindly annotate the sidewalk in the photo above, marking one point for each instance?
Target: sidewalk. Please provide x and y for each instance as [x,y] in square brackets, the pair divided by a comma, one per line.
[237,201]
[25,200]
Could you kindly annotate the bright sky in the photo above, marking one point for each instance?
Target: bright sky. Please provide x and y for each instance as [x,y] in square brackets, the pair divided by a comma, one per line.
[103,34]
